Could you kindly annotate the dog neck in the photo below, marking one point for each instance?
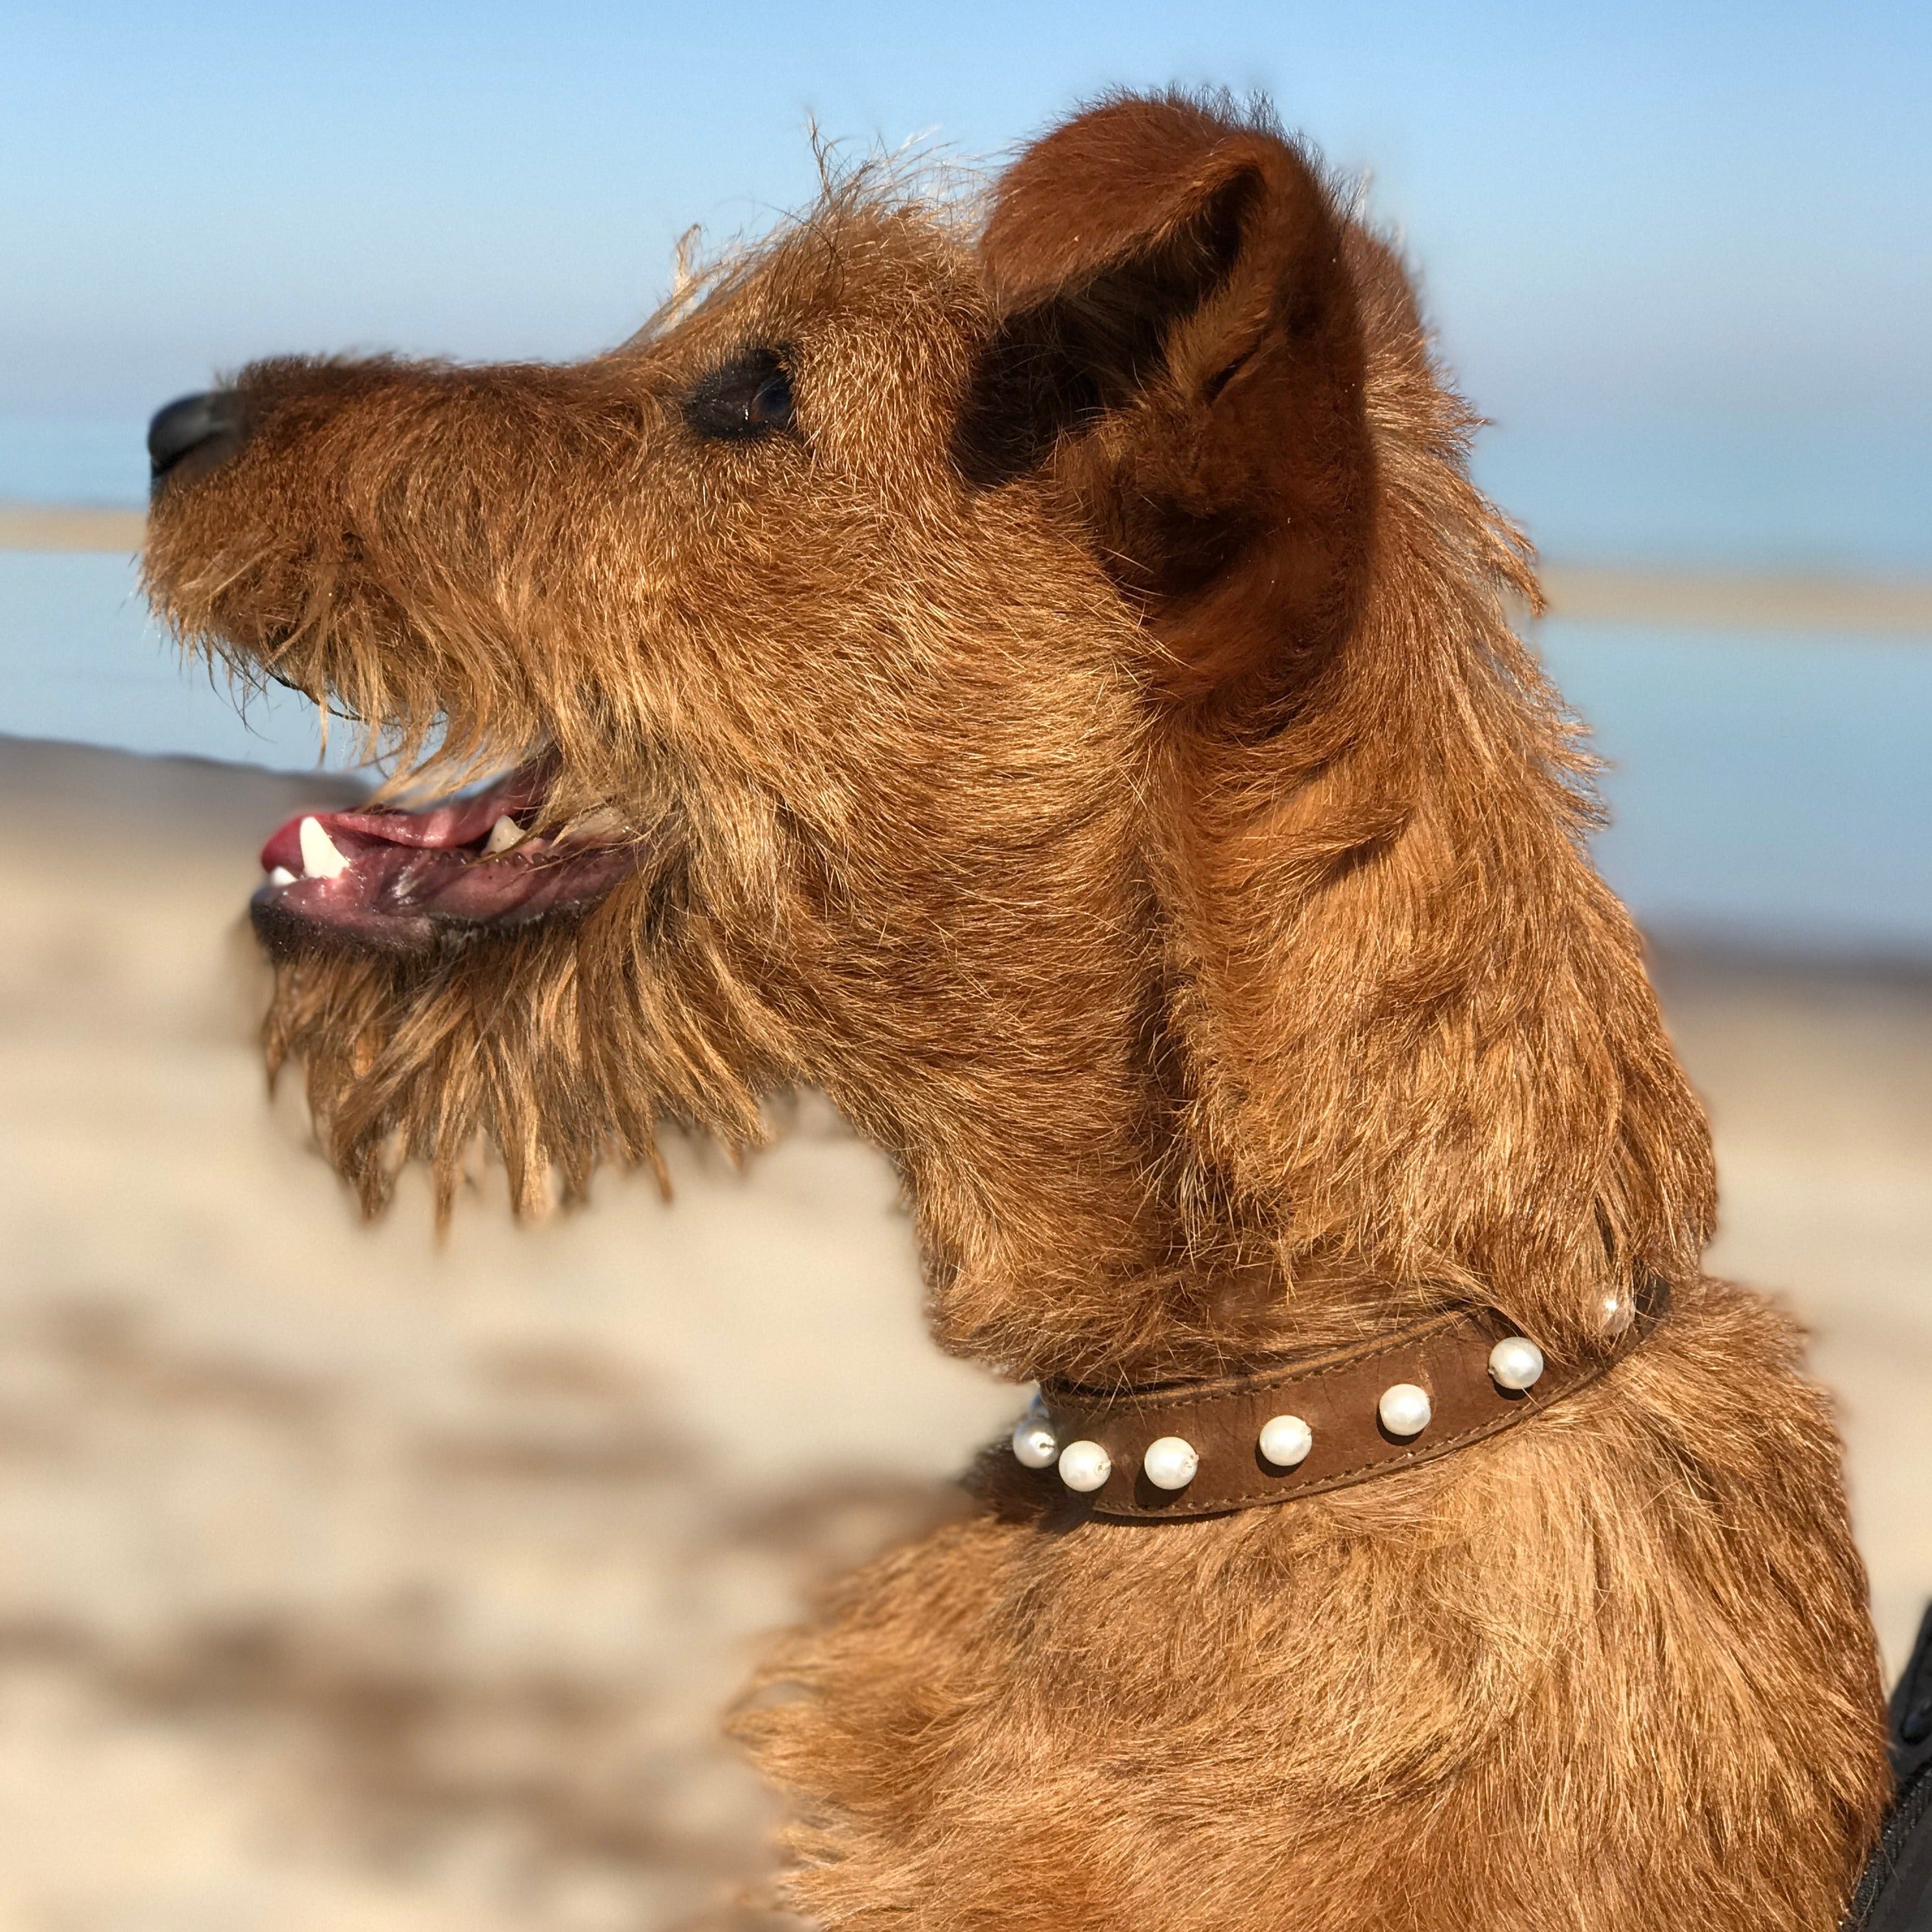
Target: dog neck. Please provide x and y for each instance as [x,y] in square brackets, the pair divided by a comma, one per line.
[1398,1050]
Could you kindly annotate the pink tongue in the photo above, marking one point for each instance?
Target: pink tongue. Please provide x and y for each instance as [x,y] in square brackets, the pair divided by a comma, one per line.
[464,822]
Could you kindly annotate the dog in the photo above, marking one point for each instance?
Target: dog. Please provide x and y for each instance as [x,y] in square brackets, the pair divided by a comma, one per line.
[1038,670]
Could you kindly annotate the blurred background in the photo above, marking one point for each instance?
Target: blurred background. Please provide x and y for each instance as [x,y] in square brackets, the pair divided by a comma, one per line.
[349,1579]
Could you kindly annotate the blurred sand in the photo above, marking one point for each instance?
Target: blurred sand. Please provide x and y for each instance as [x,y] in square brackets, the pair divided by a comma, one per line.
[1759,601]
[65,526]
[349,1582]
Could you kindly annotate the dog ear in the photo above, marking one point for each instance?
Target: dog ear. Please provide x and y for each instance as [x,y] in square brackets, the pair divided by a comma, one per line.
[1178,345]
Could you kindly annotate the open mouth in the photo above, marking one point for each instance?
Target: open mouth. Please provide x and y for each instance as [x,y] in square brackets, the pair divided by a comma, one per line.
[398,882]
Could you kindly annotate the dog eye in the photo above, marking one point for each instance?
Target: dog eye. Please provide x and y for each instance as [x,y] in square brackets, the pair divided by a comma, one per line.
[750,397]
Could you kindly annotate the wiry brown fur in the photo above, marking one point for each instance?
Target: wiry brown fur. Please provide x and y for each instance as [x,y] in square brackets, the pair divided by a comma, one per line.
[1096,752]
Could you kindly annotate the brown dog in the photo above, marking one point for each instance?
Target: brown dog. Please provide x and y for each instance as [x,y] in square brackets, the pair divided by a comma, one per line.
[1049,686]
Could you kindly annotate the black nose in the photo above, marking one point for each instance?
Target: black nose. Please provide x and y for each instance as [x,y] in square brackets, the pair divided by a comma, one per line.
[208,427]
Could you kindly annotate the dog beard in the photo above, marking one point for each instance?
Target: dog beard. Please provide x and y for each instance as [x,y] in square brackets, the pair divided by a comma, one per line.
[559,1045]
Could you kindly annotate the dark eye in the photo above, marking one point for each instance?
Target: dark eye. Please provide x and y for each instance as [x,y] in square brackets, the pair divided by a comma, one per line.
[749,396]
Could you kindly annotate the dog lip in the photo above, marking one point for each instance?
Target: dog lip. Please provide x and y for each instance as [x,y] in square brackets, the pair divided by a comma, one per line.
[405,878]
[461,823]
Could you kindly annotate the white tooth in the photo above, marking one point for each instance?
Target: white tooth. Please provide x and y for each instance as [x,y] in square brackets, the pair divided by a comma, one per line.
[281,876]
[505,833]
[320,859]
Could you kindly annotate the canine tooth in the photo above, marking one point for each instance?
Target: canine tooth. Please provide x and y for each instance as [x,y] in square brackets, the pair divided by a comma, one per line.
[504,834]
[281,876]
[320,859]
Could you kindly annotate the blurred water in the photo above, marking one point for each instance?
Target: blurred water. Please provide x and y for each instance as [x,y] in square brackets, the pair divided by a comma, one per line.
[1848,498]
[52,458]
[81,659]
[1766,790]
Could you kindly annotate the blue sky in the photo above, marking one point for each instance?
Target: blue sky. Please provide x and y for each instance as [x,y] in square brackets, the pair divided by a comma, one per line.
[1680,212]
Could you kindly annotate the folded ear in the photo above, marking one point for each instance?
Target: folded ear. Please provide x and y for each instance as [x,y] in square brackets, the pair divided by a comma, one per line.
[1179,344]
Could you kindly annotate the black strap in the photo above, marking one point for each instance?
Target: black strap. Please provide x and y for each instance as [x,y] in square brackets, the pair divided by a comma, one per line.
[1895,1894]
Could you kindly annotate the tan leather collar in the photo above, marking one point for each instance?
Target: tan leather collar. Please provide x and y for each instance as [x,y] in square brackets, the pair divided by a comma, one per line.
[1338,1398]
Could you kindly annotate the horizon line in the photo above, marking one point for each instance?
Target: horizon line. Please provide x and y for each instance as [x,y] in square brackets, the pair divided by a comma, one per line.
[1576,590]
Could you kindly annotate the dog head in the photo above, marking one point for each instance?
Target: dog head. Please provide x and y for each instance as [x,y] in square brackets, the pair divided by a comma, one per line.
[1041,678]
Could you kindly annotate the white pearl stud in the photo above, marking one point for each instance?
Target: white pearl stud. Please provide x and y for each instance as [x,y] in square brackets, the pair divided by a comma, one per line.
[1516,1363]
[1084,1466]
[1034,1443]
[1404,1409]
[1619,1312]
[1286,1441]
[1170,1463]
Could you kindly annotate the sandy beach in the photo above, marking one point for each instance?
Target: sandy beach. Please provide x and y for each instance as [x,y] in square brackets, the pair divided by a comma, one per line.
[350,1580]
[61,526]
